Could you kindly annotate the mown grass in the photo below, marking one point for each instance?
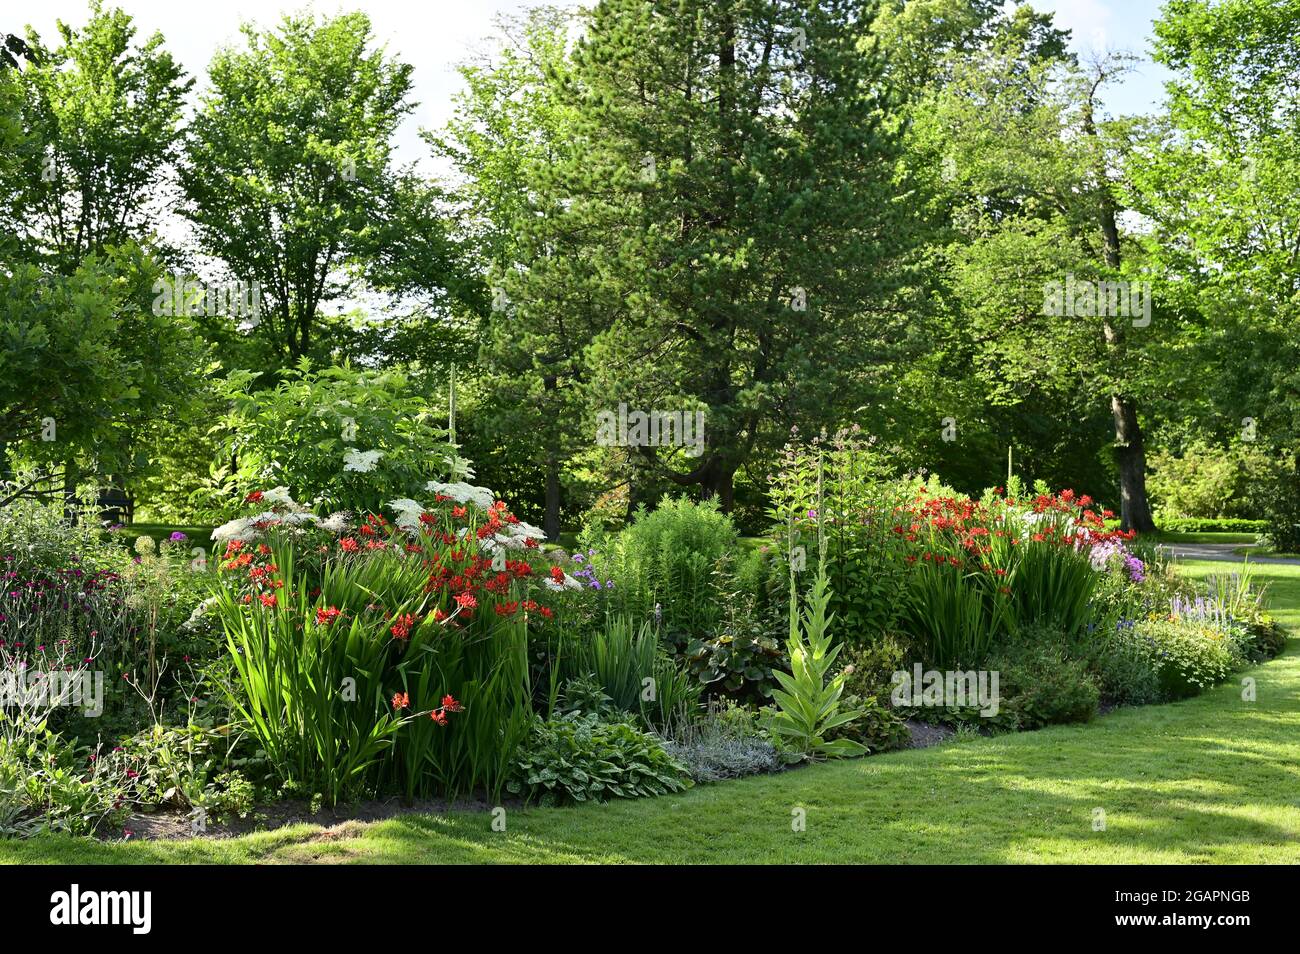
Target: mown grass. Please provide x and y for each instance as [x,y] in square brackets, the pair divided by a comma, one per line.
[1213,779]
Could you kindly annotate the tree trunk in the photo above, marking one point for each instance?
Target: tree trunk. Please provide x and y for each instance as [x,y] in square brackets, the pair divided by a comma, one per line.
[70,490]
[551,520]
[1130,453]
[720,482]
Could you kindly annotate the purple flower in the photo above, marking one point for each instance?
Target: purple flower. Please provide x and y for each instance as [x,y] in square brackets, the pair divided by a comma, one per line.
[177,536]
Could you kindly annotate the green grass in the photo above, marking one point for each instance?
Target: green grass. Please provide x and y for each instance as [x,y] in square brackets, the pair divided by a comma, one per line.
[1213,779]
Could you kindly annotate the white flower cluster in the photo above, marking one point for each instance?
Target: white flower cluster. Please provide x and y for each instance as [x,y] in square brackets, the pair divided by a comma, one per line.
[361,462]
[408,513]
[199,613]
[512,537]
[569,583]
[464,493]
[285,511]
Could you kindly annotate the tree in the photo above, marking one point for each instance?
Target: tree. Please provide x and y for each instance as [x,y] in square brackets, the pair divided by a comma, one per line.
[1034,174]
[1220,180]
[726,219]
[288,174]
[509,126]
[101,116]
[87,364]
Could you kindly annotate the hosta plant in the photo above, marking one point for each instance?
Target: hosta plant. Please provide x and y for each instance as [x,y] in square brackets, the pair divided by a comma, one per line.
[579,758]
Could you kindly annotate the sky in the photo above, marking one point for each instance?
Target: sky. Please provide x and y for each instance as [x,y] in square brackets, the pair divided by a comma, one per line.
[435,35]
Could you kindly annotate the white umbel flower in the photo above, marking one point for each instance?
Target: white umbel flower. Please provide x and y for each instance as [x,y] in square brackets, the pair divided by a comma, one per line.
[464,493]
[362,462]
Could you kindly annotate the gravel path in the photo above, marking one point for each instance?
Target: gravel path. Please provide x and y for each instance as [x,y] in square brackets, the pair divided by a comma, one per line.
[1220,551]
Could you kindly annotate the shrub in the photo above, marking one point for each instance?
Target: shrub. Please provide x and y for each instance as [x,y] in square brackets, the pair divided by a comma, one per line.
[1210,482]
[339,437]
[670,563]
[1127,670]
[1268,639]
[578,758]
[877,728]
[1040,684]
[1282,511]
[1190,658]
[869,670]
[1212,525]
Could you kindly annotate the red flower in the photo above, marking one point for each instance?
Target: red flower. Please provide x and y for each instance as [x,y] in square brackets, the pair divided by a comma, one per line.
[349,545]
[450,704]
[401,629]
[327,616]
[438,716]
[466,600]
[268,599]
[401,700]
[557,574]
[254,497]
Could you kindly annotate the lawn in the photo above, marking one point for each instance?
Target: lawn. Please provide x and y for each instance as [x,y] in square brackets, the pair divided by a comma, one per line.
[1212,779]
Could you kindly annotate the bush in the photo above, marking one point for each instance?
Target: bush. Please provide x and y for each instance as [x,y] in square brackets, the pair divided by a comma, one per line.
[341,438]
[1040,684]
[1212,525]
[1282,510]
[869,670]
[1190,657]
[671,564]
[579,758]
[1268,639]
[877,728]
[1127,670]
[1210,482]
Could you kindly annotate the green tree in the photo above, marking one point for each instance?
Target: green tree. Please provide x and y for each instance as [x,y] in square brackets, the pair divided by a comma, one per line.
[1220,181]
[727,219]
[101,115]
[288,170]
[1033,175]
[510,125]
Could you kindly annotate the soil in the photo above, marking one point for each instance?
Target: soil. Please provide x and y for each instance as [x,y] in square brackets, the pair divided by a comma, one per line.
[174,825]
[925,735]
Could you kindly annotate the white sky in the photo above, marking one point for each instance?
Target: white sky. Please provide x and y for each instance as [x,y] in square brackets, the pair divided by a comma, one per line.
[435,35]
